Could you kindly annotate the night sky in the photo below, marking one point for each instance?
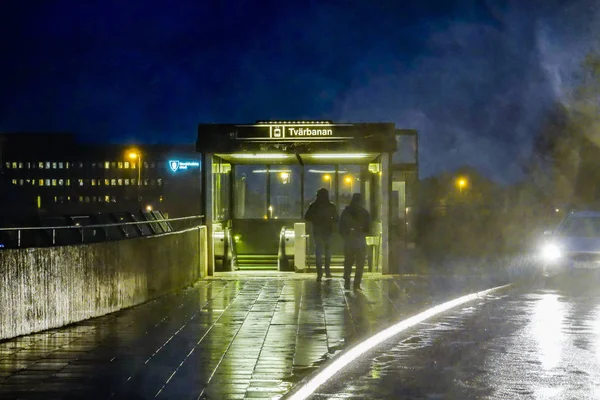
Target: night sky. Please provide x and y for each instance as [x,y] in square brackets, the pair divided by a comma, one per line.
[474,77]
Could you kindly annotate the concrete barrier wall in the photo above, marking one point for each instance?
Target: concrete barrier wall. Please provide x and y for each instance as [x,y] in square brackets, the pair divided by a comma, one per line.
[42,288]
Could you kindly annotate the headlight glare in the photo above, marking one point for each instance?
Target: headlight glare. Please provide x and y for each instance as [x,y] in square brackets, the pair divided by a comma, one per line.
[551,252]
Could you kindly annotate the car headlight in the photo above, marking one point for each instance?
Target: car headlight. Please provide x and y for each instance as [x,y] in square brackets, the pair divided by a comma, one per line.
[551,252]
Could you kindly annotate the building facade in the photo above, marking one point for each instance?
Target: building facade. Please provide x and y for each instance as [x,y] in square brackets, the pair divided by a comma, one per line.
[60,175]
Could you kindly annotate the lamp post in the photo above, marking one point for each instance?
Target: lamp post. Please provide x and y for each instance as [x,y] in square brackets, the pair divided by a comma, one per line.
[350,182]
[327,178]
[462,182]
[133,155]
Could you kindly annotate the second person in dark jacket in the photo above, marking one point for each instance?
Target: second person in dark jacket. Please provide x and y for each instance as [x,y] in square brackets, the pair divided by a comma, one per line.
[355,225]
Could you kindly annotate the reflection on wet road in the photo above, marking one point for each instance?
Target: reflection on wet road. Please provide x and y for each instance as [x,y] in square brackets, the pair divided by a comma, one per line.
[540,343]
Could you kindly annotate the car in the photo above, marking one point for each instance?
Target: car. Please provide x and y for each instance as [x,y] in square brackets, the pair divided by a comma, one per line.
[573,246]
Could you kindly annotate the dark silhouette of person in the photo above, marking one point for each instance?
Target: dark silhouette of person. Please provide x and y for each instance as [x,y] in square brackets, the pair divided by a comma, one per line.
[323,216]
[355,225]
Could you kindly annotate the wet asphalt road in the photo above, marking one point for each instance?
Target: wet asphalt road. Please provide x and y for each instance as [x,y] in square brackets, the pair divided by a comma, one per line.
[541,341]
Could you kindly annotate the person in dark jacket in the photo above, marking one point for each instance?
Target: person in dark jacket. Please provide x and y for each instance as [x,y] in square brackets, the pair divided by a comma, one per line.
[323,216]
[355,225]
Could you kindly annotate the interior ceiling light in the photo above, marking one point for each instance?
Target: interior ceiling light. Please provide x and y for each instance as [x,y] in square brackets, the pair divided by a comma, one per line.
[338,156]
[270,156]
[325,171]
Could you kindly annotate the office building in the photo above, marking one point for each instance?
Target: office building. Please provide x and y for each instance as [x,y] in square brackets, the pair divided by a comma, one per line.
[56,174]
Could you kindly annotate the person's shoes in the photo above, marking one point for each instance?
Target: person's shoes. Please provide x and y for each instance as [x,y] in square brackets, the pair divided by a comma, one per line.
[358,288]
[328,275]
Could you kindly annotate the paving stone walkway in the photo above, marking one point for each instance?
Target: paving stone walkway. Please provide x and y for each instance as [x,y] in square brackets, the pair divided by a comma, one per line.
[230,337]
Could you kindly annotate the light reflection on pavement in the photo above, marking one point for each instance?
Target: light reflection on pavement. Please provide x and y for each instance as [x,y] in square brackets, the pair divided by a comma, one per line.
[536,343]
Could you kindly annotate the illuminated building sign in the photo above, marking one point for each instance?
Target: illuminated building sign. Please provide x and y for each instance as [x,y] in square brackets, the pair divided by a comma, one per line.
[176,165]
[295,131]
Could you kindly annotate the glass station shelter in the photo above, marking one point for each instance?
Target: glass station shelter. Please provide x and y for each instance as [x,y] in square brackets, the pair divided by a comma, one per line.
[259,179]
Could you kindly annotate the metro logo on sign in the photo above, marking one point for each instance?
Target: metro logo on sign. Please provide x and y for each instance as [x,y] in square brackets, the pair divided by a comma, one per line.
[174,165]
[277,132]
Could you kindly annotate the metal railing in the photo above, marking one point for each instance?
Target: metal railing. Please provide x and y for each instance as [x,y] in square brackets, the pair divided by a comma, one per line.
[157,226]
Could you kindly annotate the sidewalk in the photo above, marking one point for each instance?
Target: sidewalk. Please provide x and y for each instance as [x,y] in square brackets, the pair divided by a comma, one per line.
[233,336]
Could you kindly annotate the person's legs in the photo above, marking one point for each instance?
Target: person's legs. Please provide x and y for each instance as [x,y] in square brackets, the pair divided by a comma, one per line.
[319,256]
[348,261]
[360,251]
[327,255]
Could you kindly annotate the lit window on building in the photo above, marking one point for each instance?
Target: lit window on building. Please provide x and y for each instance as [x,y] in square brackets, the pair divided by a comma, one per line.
[69,198]
[81,199]
[54,165]
[53,182]
[113,199]
[21,182]
[41,183]
[126,182]
[61,165]
[47,182]
[93,165]
[56,199]
[80,164]
[133,182]
[145,164]
[160,199]
[28,165]
[93,182]
[113,164]
[159,181]
[14,181]
[68,182]
[120,182]
[20,165]
[106,165]
[61,182]
[80,181]
[126,164]
[47,164]
[106,199]
[145,182]
[113,182]
[41,165]
[132,165]
[67,165]
[7,164]
[14,165]
[120,165]
[106,182]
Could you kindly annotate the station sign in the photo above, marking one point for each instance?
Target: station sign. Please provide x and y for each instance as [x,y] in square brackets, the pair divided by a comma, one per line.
[295,132]
[177,165]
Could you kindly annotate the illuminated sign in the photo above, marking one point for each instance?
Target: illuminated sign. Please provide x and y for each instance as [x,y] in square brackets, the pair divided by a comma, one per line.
[177,165]
[295,131]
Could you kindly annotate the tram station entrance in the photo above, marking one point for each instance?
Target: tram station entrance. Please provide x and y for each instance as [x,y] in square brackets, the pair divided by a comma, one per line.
[259,179]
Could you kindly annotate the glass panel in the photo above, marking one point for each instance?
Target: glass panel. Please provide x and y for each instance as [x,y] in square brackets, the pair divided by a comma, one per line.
[315,178]
[407,149]
[250,191]
[285,192]
[221,181]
